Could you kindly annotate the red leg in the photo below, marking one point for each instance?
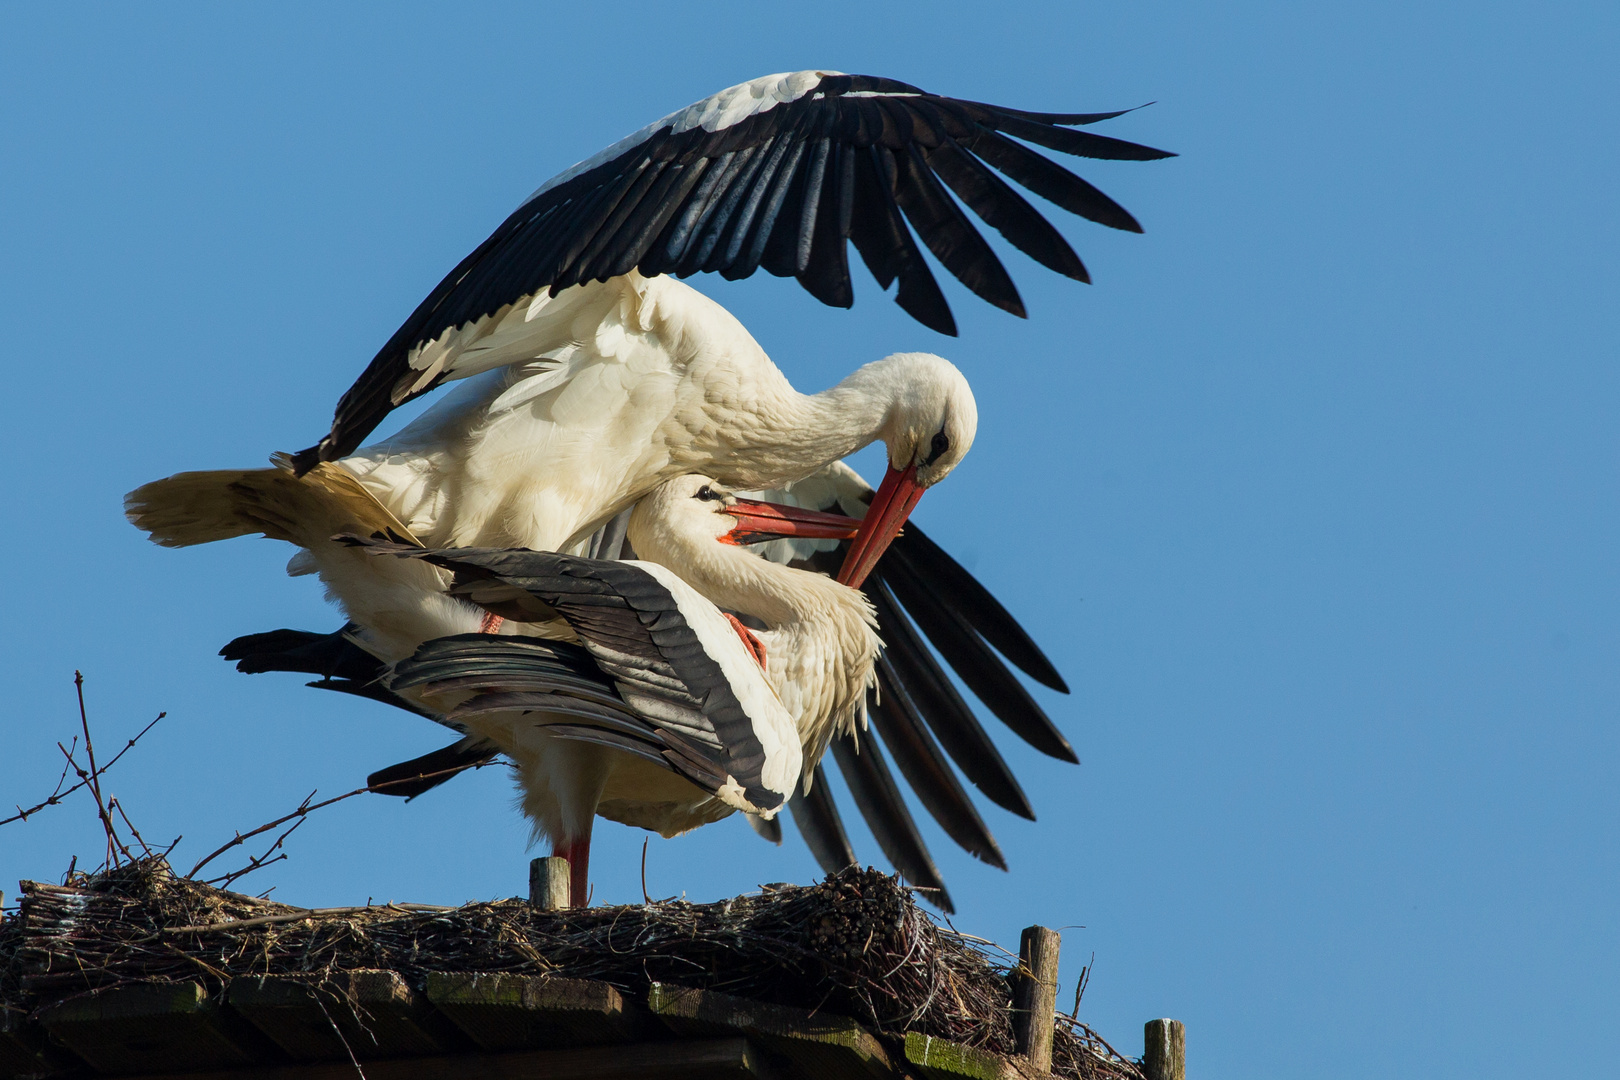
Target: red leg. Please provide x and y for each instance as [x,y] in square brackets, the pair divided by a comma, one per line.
[578,853]
[491,623]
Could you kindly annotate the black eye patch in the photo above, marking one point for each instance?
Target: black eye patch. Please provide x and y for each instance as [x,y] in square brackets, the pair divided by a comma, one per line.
[706,493]
[941,443]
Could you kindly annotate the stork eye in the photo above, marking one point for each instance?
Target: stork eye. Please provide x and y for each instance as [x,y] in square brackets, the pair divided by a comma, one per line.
[707,493]
[941,443]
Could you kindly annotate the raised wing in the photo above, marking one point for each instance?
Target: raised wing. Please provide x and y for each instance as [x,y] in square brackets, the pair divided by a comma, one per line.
[919,591]
[675,664]
[774,174]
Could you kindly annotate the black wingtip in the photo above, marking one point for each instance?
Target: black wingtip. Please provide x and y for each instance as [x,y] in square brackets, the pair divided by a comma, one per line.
[307,458]
[408,779]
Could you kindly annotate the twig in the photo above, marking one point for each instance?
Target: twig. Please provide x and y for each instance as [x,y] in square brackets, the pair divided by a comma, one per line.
[645,899]
[1080,985]
[113,843]
[56,796]
[305,808]
[224,881]
[113,803]
[339,1033]
[300,916]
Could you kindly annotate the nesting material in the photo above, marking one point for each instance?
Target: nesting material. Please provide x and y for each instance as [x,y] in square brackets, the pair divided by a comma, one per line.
[855,944]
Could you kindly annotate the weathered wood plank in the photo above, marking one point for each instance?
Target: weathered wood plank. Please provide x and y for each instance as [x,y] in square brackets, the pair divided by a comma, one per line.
[1035,995]
[825,1046]
[370,1014]
[516,1012]
[692,1059]
[153,1026]
[24,1050]
[1164,1050]
[939,1059]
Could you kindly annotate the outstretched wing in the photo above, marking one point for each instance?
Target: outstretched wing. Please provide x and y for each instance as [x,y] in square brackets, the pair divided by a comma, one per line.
[919,591]
[777,173]
[673,659]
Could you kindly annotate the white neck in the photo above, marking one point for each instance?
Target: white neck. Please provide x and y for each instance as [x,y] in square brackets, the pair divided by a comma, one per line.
[789,435]
[820,640]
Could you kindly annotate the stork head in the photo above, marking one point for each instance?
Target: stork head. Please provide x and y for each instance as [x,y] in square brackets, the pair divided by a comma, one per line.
[932,416]
[929,429]
[694,509]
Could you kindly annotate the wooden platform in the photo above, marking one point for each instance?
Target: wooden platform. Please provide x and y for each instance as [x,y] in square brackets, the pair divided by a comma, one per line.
[462,1027]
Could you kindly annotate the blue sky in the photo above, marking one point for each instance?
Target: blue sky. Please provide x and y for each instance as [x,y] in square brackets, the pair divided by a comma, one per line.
[1324,466]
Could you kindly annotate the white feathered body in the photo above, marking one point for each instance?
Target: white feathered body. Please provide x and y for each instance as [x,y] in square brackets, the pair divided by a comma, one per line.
[581,403]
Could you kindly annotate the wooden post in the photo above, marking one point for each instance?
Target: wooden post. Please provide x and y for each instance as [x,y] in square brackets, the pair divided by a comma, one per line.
[1164,1050]
[1035,995]
[548,883]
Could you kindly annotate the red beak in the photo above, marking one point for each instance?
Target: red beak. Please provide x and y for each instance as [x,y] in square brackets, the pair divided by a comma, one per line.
[892,504]
[758,521]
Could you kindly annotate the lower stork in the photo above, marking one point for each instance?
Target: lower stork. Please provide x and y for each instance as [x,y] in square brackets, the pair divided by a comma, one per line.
[669,713]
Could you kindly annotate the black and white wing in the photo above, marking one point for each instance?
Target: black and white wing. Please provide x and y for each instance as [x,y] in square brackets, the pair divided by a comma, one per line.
[774,174]
[920,592]
[691,690]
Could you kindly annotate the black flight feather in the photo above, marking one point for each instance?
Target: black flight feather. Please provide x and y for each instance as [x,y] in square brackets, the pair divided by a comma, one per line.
[952,721]
[919,760]
[816,815]
[878,798]
[753,194]
[953,585]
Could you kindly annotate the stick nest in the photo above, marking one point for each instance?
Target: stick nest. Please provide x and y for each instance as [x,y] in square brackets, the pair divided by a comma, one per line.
[855,944]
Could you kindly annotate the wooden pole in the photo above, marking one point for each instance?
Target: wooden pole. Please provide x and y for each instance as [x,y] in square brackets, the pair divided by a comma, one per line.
[1164,1050]
[1035,995]
[548,883]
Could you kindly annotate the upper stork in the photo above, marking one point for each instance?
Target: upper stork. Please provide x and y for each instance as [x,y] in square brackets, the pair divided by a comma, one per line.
[600,375]
[776,173]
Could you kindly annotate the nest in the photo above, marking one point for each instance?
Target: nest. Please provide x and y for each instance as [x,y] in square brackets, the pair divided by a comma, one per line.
[855,944]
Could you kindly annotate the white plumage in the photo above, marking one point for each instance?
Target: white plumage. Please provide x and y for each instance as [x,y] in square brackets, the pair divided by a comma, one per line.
[587,400]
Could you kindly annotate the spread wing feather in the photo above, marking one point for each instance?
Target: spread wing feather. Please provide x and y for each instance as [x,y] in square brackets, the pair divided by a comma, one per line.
[638,636]
[775,174]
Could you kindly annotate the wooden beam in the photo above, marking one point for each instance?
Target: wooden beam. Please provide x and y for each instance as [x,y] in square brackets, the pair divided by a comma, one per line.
[24,1050]
[150,1026]
[821,1045]
[940,1059]
[548,883]
[517,1012]
[705,1059]
[1164,1050]
[369,1014]
[1035,995]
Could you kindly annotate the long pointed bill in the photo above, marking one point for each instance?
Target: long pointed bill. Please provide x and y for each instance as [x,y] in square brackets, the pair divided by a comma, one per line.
[895,499]
[757,521]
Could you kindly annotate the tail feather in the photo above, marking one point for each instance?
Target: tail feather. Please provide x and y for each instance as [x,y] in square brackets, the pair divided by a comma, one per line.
[201,507]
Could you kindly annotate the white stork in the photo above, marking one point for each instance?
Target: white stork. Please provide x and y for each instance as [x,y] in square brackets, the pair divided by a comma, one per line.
[668,714]
[918,715]
[607,376]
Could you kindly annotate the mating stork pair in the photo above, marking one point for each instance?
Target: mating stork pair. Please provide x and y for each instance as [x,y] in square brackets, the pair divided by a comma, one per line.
[477,552]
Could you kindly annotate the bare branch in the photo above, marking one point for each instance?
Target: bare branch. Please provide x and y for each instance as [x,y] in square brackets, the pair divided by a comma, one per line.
[113,803]
[58,795]
[224,880]
[306,807]
[113,843]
